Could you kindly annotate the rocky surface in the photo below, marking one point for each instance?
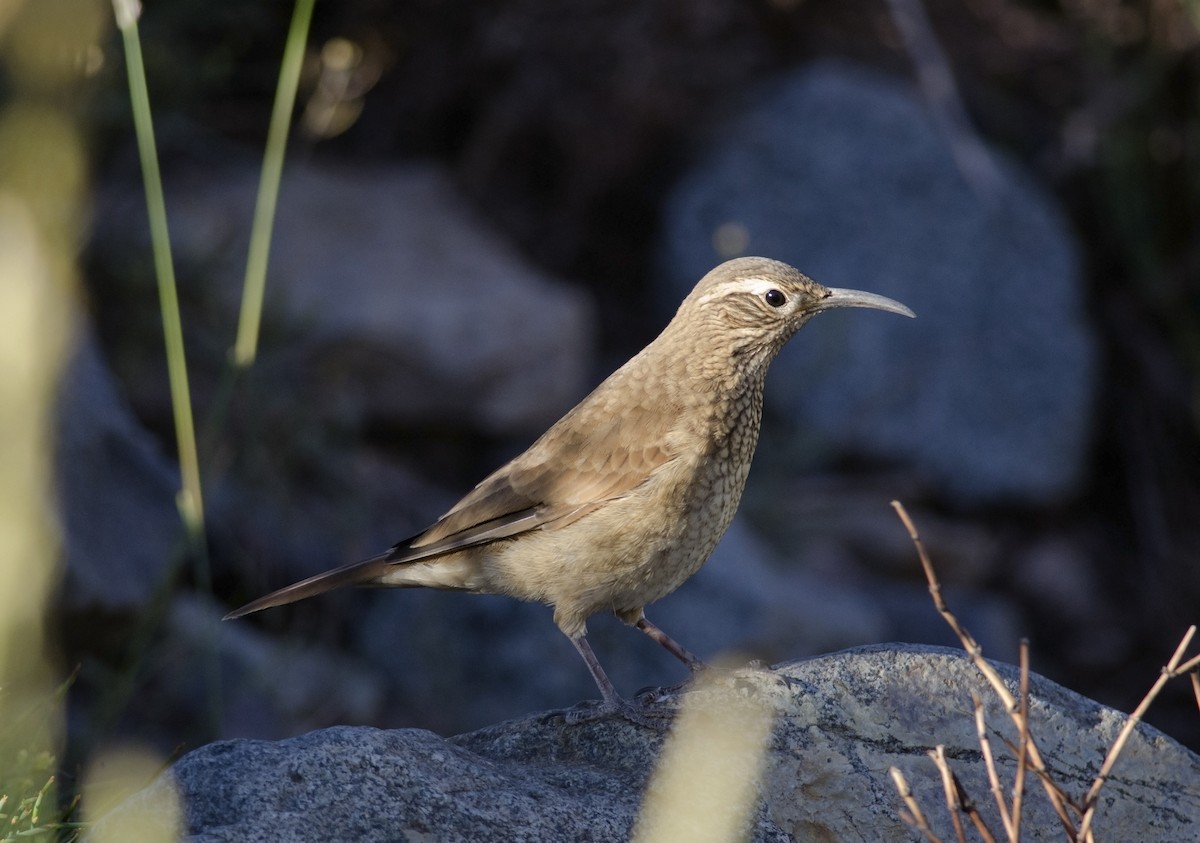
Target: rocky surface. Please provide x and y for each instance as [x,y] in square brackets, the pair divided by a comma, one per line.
[844,173]
[840,723]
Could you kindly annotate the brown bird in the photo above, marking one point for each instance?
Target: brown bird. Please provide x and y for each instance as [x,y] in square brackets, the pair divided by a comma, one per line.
[625,497]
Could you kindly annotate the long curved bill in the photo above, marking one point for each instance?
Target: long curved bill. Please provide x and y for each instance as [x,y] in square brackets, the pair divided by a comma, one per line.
[856,298]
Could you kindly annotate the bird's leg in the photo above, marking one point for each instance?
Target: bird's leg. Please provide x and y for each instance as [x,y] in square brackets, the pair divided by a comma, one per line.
[670,644]
[605,684]
[613,703]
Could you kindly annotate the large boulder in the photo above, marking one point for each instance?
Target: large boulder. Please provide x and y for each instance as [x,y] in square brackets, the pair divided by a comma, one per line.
[845,174]
[840,722]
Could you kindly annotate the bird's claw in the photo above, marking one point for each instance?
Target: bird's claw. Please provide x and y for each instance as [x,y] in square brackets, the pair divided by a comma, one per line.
[640,715]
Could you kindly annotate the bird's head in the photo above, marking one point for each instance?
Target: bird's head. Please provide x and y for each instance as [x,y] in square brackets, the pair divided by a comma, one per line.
[756,304]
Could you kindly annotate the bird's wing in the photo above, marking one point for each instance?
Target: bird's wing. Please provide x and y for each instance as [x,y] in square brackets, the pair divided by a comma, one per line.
[592,455]
[576,467]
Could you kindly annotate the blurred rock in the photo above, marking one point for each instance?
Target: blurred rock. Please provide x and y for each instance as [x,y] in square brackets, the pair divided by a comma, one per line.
[269,687]
[747,600]
[384,289]
[389,308]
[852,515]
[198,679]
[844,173]
[814,596]
[841,722]
[1058,578]
[115,492]
[269,534]
[459,661]
[1056,573]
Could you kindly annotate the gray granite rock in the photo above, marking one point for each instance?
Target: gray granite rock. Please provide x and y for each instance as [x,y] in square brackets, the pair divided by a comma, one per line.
[843,173]
[840,723]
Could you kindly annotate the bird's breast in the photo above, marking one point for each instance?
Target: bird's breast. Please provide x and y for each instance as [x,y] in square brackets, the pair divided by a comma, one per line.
[642,546]
[702,499]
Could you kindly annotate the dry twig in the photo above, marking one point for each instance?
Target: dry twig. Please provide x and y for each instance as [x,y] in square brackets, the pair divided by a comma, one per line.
[916,816]
[958,799]
[951,787]
[973,650]
[1192,664]
[1172,670]
[989,762]
[1018,791]
[1025,750]
[936,80]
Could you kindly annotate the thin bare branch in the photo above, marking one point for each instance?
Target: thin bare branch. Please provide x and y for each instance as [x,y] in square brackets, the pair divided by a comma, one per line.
[1191,664]
[968,808]
[1173,665]
[1057,798]
[916,817]
[958,800]
[1061,798]
[989,762]
[936,79]
[1026,749]
[938,754]
[1170,671]
[1018,791]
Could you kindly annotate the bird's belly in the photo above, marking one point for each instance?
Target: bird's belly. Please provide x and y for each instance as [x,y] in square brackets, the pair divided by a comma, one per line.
[623,556]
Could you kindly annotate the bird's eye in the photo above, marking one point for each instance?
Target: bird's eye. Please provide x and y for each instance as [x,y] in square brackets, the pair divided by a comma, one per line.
[774,298]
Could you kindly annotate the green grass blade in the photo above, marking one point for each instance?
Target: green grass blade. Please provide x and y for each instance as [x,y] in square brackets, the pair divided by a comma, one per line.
[246,346]
[190,500]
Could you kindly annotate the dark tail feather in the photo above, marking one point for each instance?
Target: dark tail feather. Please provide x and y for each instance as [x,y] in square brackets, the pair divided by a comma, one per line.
[356,573]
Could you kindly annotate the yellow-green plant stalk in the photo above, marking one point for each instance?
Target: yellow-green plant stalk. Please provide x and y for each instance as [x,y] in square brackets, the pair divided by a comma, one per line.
[190,501]
[254,288]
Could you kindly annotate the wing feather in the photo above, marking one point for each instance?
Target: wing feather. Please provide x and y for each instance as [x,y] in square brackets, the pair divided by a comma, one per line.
[582,462]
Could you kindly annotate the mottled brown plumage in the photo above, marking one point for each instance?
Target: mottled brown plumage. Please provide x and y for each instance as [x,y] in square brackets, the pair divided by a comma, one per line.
[625,497]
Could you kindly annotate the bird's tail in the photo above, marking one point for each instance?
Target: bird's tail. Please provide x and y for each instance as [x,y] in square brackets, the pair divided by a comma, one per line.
[356,573]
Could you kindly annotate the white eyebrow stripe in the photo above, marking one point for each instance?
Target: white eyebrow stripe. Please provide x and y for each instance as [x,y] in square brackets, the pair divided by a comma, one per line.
[757,286]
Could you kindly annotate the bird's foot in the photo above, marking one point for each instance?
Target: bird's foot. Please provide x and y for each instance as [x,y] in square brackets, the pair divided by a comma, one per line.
[642,714]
